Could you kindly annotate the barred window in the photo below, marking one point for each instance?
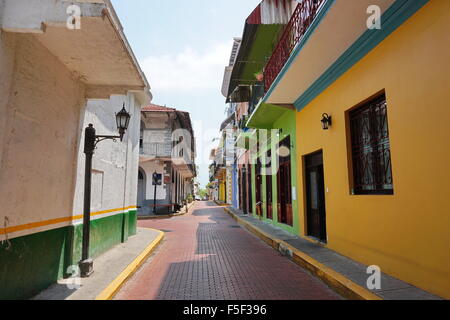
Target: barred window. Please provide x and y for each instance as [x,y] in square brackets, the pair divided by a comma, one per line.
[371,152]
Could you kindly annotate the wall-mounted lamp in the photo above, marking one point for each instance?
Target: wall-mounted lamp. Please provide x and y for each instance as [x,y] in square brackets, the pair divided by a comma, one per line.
[123,121]
[326,121]
[91,139]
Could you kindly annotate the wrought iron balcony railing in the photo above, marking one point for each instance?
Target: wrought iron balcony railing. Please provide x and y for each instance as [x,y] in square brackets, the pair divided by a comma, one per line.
[300,21]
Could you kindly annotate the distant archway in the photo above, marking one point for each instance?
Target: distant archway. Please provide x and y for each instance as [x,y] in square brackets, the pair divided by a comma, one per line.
[141,135]
[142,182]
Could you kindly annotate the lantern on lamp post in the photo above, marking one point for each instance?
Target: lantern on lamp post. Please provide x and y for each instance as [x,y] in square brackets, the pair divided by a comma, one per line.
[91,140]
[122,120]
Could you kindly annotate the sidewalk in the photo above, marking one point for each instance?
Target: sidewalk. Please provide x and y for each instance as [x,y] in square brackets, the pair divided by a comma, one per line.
[111,270]
[346,276]
[182,211]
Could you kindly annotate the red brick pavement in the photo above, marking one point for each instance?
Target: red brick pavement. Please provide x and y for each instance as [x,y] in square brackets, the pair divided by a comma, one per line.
[207,256]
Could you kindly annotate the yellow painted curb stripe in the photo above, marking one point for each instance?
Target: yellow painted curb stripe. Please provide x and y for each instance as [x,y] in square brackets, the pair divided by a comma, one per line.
[116,284]
[221,204]
[34,225]
[336,280]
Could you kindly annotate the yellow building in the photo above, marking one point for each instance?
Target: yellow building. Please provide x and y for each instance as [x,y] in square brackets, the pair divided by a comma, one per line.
[374,184]
[222,185]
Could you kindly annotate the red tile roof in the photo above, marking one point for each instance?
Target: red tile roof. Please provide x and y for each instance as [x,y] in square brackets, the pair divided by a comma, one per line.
[154,107]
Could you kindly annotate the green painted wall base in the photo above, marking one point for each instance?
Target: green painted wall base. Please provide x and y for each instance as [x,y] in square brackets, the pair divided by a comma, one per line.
[32,263]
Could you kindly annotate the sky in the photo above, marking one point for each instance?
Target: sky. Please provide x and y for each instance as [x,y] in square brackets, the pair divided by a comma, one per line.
[183,48]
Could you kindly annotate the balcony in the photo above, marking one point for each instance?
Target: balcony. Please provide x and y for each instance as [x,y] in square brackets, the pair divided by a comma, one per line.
[156,150]
[301,19]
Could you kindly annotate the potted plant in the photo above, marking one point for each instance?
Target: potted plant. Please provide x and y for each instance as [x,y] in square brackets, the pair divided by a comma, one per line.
[259,76]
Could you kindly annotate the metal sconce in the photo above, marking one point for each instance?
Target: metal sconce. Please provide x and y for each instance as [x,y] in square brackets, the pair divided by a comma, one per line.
[326,121]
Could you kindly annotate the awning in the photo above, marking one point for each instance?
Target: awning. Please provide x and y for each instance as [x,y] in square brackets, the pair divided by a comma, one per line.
[266,114]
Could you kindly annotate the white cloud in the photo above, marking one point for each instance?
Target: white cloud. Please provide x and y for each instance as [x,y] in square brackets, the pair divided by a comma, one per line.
[188,70]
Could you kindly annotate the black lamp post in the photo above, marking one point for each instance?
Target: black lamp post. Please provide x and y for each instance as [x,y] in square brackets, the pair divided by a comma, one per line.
[155,183]
[90,142]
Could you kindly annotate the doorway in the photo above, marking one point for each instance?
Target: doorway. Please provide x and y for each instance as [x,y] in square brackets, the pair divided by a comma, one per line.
[315,197]
[284,183]
[258,182]
[243,190]
[141,189]
[269,209]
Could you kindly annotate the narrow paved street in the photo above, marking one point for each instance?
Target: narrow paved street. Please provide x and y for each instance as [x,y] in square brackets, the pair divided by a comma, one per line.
[206,255]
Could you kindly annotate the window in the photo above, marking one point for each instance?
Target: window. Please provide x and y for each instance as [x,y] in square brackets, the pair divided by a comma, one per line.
[371,152]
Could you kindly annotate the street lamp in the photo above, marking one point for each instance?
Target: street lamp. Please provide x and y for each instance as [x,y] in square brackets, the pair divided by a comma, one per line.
[123,120]
[156,182]
[90,142]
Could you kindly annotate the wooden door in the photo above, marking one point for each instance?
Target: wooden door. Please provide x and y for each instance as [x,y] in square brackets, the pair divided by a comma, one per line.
[284,187]
[258,186]
[315,197]
[268,169]
[250,189]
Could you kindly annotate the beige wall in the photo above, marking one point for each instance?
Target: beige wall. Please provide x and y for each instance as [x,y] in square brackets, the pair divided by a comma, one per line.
[40,103]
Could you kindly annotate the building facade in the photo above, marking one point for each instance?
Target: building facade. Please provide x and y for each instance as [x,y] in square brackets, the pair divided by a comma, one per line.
[49,91]
[263,190]
[223,174]
[167,152]
[361,112]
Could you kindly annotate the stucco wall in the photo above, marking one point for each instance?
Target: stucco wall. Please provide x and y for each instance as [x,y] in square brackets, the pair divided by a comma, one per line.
[407,234]
[114,178]
[40,104]
[156,120]
[133,135]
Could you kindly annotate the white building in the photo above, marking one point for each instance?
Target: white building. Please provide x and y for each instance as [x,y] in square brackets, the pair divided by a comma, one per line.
[167,149]
[50,73]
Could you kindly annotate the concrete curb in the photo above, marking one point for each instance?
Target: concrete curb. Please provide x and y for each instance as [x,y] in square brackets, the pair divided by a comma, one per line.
[338,282]
[167,216]
[221,204]
[116,284]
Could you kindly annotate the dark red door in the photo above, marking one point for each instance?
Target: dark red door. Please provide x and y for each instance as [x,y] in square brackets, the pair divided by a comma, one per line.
[269,208]
[250,189]
[258,183]
[284,181]
[269,197]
